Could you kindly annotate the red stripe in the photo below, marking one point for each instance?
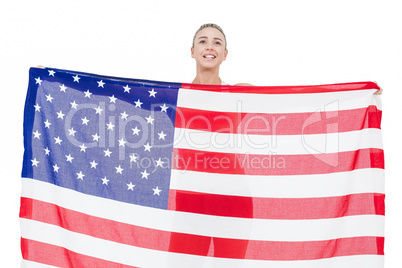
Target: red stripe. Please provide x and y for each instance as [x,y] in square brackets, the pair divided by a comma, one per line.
[277,208]
[284,89]
[111,230]
[278,124]
[274,250]
[316,249]
[61,257]
[229,163]
[178,242]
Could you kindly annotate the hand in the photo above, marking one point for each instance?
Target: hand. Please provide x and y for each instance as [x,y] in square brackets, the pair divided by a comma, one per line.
[40,66]
[378,92]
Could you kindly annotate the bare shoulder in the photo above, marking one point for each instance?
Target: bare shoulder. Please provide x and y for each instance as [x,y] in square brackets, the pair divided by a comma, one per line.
[245,84]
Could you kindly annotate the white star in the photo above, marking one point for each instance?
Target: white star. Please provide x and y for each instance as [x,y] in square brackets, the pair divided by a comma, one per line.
[71,132]
[35,162]
[105,180]
[57,140]
[130,186]
[37,108]
[159,162]
[80,176]
[119,169]
[133,158]
[69,158]
[107,152]
[124,115]
[49,98]
[87,94]
[60,115]
[112,99]
[150,120]
[85,121]
[122,142]
[138,103]
[164,108]
[38,81]
[95,137]
[147,147]
[157,191]
[93,164]
[51,73]
[76,78]
[63,88]
[47,151]
[47,123]
[36,134]
[73,105]
[98,110]
[162,135]
[56,168]
[110,126]
[127,89]
[135,131]
[100,83]
[145,174]
[152,93]
[83,148]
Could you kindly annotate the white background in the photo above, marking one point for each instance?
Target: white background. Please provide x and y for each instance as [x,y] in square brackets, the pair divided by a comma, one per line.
[270,43]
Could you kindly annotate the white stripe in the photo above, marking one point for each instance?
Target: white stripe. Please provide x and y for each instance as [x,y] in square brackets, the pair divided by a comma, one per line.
[277,144]
[293,186]
[377,102]
[275,103]
[228,227]
[31,264]
[129,255]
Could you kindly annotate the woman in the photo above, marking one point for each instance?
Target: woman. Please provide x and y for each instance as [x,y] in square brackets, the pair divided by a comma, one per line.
[209,50]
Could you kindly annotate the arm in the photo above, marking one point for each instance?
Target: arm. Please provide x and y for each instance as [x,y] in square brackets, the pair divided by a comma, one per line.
[378,92]
[244,84]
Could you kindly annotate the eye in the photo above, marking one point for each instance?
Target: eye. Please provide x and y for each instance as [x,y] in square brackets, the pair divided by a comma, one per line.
[202,42]
[218,43]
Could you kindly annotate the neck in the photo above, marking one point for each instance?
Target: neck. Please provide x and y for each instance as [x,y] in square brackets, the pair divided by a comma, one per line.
[207,77]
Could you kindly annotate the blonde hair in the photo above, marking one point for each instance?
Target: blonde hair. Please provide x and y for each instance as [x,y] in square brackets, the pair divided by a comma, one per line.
[211,25]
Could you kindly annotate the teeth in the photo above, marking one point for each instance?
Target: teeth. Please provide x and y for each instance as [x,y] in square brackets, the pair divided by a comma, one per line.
[209,56]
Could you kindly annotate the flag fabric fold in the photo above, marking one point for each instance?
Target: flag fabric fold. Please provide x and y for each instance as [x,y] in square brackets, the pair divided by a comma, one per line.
[121,172]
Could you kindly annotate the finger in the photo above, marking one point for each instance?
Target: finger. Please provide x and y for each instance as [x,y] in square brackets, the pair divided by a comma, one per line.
[379,91]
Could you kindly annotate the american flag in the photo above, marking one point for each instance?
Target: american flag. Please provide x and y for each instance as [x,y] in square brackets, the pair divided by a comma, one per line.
[122,172]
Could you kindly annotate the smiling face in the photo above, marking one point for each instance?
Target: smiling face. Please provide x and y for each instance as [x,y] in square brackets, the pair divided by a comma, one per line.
[209,49]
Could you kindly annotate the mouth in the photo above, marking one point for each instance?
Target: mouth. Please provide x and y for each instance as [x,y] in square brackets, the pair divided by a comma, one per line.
[209,56]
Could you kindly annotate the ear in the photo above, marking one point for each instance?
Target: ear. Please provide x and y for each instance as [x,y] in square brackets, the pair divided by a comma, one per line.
[225,54]
[192,52]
